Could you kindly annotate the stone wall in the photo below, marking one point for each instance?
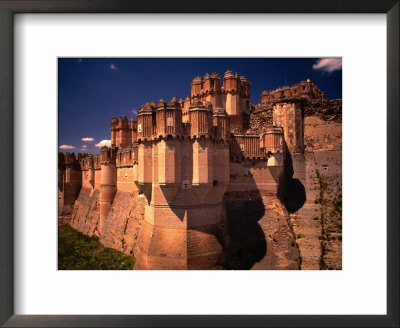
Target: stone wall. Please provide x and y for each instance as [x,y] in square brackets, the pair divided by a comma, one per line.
[317,223]
[257,233]
[121,229]
[86,213]
[322,135]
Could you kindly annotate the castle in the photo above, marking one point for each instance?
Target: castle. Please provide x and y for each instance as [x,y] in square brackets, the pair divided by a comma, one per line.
[183,157]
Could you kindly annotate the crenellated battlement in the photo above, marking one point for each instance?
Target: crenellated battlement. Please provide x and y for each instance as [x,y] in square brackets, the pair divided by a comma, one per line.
[249,145]
[127,157]
[303,89]
[121,132]
[108,155]
[166,120]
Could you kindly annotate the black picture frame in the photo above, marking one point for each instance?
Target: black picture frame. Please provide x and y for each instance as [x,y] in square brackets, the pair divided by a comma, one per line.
[10,7]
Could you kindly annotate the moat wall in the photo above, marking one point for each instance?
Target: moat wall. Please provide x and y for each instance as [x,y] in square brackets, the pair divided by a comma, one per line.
[252,184]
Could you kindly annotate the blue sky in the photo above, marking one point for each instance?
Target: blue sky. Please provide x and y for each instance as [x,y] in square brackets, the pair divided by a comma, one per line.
[93,90]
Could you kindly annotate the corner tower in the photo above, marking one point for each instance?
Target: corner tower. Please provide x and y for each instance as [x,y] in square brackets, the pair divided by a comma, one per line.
[288,115]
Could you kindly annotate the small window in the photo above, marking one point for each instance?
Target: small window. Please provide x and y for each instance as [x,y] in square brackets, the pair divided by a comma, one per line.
[212,84]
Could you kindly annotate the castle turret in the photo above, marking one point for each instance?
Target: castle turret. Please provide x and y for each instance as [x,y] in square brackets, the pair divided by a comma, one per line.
[133,128]
[245,87]
[145,122]
[236,102]
[169,127]
[222,124]
[273,143]
[201,125]
[145,168]
[265,97]
[197,86]
[200,119]
[114,126]
[288,114]
[121,135]
[90,166]
[108,180]
[69,181]
[231,82]
[212,83]
[169,118]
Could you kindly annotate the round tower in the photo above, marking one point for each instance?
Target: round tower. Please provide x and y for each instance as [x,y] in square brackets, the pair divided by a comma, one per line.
[90,166]
[201,125]
[145,122]
[200,119]
[108,181]
[231,81]
[245,87]
[197,86]
[114,125]
[169,118]
[221,122]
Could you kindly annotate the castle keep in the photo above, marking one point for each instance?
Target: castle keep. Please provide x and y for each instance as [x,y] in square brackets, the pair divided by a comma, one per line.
[175,163]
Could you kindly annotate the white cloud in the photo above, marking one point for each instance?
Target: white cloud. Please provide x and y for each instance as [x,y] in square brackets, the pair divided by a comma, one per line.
[84,149]
[134,111]
[103,143]
[113,67]
[66,147]
[86,139]
[328,65]
[84,146]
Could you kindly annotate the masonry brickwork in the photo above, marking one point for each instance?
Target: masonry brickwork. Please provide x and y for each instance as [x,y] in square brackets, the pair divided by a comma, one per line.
[161,191]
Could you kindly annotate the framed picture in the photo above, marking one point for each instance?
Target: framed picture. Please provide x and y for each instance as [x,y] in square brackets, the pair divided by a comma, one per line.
[55,63]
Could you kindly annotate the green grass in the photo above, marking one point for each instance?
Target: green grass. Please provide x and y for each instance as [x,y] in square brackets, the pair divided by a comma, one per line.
[77,251]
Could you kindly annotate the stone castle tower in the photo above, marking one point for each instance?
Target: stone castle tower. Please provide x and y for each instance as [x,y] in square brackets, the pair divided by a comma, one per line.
[182,157]
[233,95]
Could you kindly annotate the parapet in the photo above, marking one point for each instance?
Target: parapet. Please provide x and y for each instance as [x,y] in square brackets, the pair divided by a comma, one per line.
[126,157]
[108,155]
[121,123]
[201,120]
[68,160]
[146,122]
[304,89]
[249,145]
[87,163]
[221,123]
[272,140]
[169,119]
[211,84]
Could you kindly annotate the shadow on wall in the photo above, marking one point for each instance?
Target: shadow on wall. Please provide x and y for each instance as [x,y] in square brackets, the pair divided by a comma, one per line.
[244,239]
[294,192]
